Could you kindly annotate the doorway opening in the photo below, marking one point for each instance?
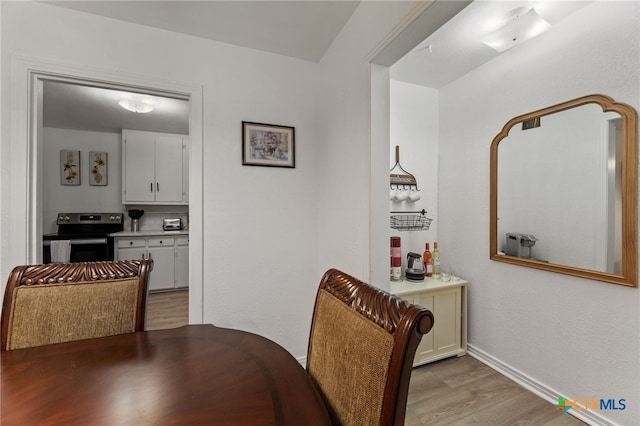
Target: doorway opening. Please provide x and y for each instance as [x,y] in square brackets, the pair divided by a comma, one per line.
[84,104]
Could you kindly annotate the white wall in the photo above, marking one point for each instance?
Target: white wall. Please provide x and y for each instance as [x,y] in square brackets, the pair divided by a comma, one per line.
[577,337]
[414,128]
[268,233]
[57,198]
[3,181]
[345,161]
[260,224]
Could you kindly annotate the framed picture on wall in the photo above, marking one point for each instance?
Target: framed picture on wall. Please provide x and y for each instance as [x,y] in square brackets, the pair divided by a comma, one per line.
[98,168]
[69,167]
[268,145]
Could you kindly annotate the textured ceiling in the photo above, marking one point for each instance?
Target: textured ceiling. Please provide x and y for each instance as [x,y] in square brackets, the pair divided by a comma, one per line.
[301,29]
[456,48]
[72,106]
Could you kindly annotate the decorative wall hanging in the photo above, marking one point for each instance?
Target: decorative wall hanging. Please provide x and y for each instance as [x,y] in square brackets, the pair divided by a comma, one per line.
[98,164]
[69,167]
[268,145]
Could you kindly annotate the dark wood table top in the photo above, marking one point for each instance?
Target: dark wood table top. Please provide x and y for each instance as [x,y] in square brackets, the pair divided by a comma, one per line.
[192,375]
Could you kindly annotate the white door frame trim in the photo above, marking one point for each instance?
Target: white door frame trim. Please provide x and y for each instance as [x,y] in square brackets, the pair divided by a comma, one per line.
[25,230]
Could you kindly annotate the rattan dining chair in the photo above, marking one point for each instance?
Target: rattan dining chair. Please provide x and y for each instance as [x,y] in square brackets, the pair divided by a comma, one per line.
[361,349]
[55,303]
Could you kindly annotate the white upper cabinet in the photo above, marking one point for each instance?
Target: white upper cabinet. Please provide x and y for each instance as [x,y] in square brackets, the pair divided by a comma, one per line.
[153,169]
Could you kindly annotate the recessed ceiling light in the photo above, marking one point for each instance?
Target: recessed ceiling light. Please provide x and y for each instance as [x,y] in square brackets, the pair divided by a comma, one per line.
[519,26]
[135,106]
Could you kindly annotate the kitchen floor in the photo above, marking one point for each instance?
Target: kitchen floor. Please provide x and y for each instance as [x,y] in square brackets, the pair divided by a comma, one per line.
[167,310]
[460,391]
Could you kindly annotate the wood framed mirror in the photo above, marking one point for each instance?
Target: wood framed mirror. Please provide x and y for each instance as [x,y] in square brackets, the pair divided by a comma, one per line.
[563,190]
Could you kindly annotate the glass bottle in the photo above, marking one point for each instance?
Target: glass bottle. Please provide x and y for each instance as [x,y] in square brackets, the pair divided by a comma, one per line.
[428,261]
[396,260]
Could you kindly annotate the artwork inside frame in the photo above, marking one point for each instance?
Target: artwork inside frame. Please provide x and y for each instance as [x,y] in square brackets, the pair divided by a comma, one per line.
[69,167]
[98,172]
[268,145]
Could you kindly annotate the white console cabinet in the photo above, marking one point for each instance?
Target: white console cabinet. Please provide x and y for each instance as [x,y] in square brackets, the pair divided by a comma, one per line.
[170,256]
[448,302]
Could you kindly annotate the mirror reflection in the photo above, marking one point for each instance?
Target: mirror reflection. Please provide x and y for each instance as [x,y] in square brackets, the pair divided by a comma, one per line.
[561,192]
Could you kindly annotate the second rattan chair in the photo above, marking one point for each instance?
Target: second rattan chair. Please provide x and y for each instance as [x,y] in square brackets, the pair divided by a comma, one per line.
[361,349]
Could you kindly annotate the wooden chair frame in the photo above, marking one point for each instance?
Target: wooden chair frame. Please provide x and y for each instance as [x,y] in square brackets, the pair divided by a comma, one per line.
[56,273]
[407,323]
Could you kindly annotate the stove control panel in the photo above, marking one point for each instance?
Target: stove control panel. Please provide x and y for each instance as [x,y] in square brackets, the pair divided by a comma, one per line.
[88,218]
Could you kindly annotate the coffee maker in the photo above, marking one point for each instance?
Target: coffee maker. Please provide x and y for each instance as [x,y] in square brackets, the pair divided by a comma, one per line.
[414,274]
[135,215]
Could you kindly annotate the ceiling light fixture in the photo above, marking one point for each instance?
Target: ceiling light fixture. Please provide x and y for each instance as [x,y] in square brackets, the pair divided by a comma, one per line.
[428,48]
[519,25]
[135,106]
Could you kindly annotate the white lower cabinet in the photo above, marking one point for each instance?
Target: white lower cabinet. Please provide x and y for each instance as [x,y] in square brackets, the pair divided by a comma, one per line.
[169,254]
[448,303]
[182,262]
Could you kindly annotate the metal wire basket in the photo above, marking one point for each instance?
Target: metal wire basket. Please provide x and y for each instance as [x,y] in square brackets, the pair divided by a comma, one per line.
[410,221]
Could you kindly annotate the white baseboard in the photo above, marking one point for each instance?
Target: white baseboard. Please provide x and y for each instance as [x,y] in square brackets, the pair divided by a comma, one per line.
[303,361]
[540,389]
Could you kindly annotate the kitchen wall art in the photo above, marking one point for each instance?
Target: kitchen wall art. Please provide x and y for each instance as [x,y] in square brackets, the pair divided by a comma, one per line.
[98,168]
[69,167]
[268,145]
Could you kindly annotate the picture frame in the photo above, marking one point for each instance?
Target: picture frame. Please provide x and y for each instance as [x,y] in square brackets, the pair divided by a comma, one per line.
[268,145]
[98,168]
[69,167]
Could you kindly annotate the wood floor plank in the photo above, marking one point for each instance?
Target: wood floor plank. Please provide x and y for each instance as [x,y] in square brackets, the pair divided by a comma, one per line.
[519,409]
[167,310]
[454,391]
[460,402]
[475,394]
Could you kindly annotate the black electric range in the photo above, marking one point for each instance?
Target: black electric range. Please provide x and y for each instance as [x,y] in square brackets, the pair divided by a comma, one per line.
[86,234]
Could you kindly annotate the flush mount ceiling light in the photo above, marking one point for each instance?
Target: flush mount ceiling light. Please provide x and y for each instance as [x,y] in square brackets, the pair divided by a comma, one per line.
[519,25]
[135,106]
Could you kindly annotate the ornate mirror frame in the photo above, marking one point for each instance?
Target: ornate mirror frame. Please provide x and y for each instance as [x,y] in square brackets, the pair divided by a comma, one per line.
[629,184]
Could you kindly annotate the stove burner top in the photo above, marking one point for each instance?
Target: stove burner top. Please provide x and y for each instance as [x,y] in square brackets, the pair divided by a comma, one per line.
[85,224]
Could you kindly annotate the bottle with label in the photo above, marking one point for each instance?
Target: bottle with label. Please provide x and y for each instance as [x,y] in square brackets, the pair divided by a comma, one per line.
[436,260]
[428,261]
[396,260]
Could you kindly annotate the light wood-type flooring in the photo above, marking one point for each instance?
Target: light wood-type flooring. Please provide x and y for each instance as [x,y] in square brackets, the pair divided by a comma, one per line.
[454,391]
[167,310]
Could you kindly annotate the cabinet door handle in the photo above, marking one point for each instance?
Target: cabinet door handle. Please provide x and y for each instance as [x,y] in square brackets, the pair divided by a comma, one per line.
[151,187]
[142,256]
[158,186]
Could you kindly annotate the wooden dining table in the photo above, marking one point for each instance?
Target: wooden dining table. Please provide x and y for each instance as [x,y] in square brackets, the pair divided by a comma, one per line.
[192,375]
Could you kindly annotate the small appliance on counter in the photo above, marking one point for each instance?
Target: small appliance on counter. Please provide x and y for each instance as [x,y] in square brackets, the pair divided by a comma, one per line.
[135,215]
[414,274]
[171,224]
[519,245]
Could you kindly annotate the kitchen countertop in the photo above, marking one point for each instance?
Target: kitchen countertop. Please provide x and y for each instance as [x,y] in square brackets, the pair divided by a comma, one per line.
[160,233]
[406,287]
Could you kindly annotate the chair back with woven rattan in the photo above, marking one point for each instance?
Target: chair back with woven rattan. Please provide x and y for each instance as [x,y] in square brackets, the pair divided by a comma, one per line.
[55,303]
[361,349]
